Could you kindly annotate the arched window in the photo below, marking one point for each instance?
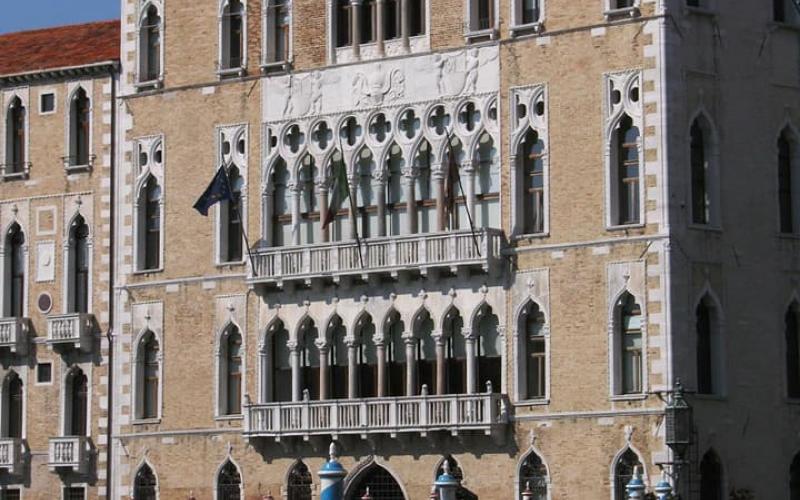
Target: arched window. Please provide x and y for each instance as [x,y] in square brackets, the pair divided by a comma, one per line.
[455,371]
[629,344]
[338,204]
[78,271]
[396,202]
[150,46]
[454,470]
[700,174]
[454,197]
[231,219]
[487,188]
[150,225]
[144,485]
[16,154]
[708,348]
[787,179]
[13,406]
[369,27]
[281,216]
[366,197]
[380,483]
[148,371]
[278,30]
[395,356]
[229,482]
[77,403]
[299,482]
[533,477]
[309,358]
[533,352]
[367,358]
[15,272]
[794,478]
[339,370]
[623,472]
[711,477]
[417,15]
[309,211]
[281,365]
[230,372]
[232,35]
[489,351]
[533,203]
[792,333]
[79,128]
[426,352]
[626,172]
[344,35]
[425,197]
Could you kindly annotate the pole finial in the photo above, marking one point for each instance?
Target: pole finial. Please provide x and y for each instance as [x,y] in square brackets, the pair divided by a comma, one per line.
[333,452]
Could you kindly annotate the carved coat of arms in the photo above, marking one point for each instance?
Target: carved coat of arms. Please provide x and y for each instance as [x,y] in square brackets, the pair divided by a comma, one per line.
[376,87]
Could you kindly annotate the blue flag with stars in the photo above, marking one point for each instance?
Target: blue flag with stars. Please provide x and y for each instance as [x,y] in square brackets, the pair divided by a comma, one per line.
[218,190]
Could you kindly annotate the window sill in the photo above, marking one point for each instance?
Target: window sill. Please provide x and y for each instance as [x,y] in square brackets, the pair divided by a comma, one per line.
[232,264]
[782,25]
[481,35]
[145,421]
[625,227]
[76,169]
[150,84]
[530,237]
[231,73]
[629,397]
[145,272]
[275,67]
[228,418]
[16,176]
[624,13]
[534,28]
[531,402]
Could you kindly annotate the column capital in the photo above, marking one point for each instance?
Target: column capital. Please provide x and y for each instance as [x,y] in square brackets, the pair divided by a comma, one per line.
[409,338]
[410,173]
[292,345]
[438,336]
[468,166]
[322,345]
[469,335]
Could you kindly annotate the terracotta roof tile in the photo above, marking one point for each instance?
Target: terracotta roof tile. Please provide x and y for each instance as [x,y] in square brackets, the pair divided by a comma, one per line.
[60,47]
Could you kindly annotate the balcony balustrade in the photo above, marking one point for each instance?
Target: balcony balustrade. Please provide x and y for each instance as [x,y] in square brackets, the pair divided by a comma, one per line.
[388,255]
[10,454]
[68,453]
[72,330]
[417,414]
[14,334]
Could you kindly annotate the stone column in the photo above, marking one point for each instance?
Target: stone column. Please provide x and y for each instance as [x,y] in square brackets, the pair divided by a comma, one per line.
[440,362]
[472,360]
[295,190]
[405,25]
[378,190]
[468,170]
[411,363]
[380,352]
[322,200]
[352,369]
[411,205]
[294,361]
[380,6]
[437,175]
[355,27]
[324,369]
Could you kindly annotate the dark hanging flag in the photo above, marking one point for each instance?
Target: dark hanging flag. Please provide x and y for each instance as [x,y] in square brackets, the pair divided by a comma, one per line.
[218,190]
[451,179]
[340,191]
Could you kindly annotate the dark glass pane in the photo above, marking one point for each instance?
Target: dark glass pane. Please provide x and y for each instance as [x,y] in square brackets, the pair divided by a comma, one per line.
[530,11]
[74,493]
[380,483]
[15,241]
[343,23]
[144,487]
[299,483]
[624,472]
[152,222]
[416,17]
[150,383]
[14,403]
[229,483]
[785,185]
[794,478]
[79,395]
[792,354]
[710,477]
[704,350]
[234,375]
[79,235]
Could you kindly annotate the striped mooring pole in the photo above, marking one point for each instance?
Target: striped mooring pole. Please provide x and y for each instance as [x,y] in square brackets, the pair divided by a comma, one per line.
[331,477]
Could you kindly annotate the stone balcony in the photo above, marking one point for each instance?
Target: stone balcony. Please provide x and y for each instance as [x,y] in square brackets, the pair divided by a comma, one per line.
[70,452]
[483,413]
[11,455]
[15,334]
[70,330]
[448,251]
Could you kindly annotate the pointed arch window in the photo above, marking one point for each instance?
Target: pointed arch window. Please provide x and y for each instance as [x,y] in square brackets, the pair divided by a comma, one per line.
[626,172]
[708,348]
[380,483]
[281,363]
[299,482]
[15,272]
[231,219]
[13,406]
[232,37]
[144,485]
[79,129]
[487,188]
[281,216]
[229,482]
[454,469]
[339,362]
[711,477]
[367,359]
[77,403]
[533,352]
[395,357]
[396,202]
[150,46]
[425,197]
[78,270]
[278,31]
[309,359]
[794,478]
[489,350]
[148,360]
[533,478]
[16,147]
[455,372]
[309,209]
[533,195]
[792,334]
[425,352]
[788,179]
[230,386]
[630,345]
[623,472]
[150,225]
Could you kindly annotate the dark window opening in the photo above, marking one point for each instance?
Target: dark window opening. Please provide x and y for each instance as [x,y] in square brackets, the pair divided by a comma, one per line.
[79,265]
[15,138]
[80,123]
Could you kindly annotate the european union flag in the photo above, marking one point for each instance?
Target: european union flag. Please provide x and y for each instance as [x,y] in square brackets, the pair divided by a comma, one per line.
[218,190]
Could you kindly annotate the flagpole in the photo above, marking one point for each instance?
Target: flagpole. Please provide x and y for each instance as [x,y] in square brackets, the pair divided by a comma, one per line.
[466,202]
[242,222]
[353,219]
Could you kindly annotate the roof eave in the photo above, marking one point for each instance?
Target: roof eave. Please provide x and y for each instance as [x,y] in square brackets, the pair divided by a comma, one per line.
[93,69]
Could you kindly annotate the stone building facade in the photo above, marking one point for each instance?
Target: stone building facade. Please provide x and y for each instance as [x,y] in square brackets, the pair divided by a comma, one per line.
[57,89]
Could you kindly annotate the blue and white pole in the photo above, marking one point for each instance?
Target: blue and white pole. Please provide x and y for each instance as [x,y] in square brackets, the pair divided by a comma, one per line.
[331,477]
[663,489]
[635,486]
[446,483]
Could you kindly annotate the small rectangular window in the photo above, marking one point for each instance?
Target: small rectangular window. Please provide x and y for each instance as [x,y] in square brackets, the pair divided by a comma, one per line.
[47,103]
[9,495]
[44,373]
[74,493]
